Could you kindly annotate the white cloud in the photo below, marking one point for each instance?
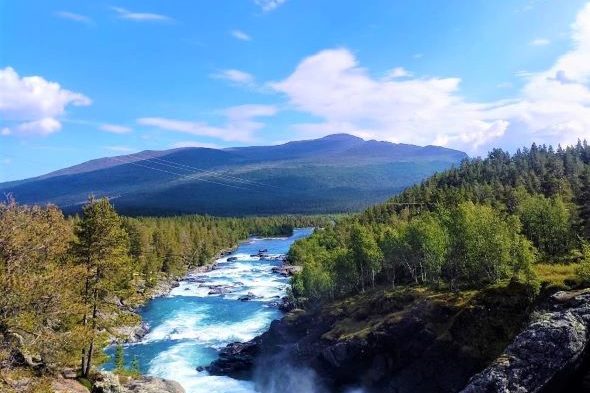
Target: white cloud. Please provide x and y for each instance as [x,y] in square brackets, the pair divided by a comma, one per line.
[181,144]
[32,105]
[123,13]
[73,16]
[332,86]
[552,107]
[540,42]
[240,35]
[398,72]
[269,5]
[240,123]
[115,128]
[235,76]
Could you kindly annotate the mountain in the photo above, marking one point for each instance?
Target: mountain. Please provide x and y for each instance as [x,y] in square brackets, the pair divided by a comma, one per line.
[335,173]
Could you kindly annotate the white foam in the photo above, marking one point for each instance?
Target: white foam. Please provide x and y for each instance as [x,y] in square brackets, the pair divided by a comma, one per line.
[175,363]
[176,327]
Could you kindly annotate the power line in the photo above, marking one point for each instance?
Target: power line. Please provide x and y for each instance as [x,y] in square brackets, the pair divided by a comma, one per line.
[178,174]
[211,172]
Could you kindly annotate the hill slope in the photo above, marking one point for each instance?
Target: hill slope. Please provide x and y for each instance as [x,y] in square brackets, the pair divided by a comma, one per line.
[335,173]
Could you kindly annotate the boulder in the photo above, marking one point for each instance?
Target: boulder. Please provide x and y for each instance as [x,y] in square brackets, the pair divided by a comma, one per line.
[287,270]
[147,384]
[107,382]
[551,345]
[236,359]
[249,296]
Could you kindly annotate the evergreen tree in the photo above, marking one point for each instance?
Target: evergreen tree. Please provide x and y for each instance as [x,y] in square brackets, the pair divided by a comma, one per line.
[119,360]
[102,250]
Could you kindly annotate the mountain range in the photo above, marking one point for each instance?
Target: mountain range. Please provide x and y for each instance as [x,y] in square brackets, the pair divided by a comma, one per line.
[336,173]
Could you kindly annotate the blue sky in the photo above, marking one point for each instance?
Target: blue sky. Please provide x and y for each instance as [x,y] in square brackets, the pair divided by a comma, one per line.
[86,79]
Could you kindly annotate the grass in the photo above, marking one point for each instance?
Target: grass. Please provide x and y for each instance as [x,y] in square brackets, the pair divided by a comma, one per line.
[557,276]
[358,316]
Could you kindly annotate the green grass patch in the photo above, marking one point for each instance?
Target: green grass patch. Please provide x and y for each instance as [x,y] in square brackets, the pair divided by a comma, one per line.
[557,276]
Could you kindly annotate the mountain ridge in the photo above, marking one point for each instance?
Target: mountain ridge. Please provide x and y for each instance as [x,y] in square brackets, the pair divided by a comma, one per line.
[338,172]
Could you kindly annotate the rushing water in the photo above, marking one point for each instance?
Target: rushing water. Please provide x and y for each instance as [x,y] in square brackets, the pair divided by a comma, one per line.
[189,326]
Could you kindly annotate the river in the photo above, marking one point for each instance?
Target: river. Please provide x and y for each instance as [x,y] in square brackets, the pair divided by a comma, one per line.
[189,326]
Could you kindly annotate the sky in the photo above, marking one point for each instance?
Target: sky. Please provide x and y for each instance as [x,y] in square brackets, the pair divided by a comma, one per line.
[87,79]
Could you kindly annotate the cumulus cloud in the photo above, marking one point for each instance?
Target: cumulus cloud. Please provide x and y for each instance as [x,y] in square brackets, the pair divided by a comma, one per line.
[32,105]
[115,128]
[73,17]
[552,107]
[123,13]
[331,85]
[240,35]
[235,76]
[269,5]
[240,124]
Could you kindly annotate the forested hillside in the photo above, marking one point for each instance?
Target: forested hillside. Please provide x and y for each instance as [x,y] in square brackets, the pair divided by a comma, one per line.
[67,284]
[477,224]
[337,173]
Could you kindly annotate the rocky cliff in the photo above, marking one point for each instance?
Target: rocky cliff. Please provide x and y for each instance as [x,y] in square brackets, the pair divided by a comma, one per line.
[402,341]
[546,355]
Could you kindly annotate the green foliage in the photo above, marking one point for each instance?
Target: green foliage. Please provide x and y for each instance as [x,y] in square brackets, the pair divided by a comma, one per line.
[119,360]
[547,222]
[583,269]
[39,287]
[62,282]
[485,246]
[102,251]
[468,246]
[339,174]
[134,368]
[120,366]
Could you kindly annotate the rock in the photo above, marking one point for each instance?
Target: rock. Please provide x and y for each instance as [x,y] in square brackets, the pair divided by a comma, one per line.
[220,289]
[69,374]
[286,305]
[249,296]
[552,344]
[147,384]
[236,359]
[131,333]
[107,382]
[287,270]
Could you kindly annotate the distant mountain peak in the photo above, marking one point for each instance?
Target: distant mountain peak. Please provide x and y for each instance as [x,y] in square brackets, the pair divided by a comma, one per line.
[343,136]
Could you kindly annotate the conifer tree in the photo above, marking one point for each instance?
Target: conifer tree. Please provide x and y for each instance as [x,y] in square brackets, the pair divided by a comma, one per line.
[102,250]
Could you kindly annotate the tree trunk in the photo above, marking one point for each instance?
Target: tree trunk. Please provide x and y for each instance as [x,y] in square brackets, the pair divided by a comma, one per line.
[91,346]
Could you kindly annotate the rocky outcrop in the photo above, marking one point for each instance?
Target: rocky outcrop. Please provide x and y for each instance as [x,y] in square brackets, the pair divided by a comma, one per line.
[553,344]
[153,385]
[110,383]
[399,341]
[236,359]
